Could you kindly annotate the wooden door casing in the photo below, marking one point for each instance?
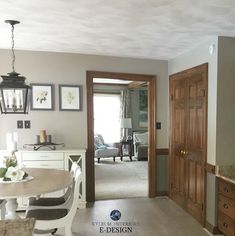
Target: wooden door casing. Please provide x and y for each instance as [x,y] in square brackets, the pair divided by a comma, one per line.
[191,151]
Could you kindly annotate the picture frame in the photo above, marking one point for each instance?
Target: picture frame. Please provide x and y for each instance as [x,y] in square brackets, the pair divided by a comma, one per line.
[143,108]
[42,97]
[69,97]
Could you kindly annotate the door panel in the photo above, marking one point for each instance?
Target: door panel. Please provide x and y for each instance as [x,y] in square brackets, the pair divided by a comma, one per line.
[178,136]
[195,144]
[188,116]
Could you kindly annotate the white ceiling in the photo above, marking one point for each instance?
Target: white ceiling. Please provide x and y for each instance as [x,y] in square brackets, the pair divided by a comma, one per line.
[157,29]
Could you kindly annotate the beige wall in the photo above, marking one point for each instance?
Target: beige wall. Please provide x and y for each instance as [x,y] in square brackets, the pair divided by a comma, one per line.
[195,57]
[62,68]
[225,148]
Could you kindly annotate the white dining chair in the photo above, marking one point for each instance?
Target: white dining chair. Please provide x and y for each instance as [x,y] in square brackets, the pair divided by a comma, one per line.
[3,209]
[53,201]
[58,217]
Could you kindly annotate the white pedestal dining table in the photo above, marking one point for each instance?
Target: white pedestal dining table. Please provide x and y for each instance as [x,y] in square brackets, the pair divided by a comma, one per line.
[43,181]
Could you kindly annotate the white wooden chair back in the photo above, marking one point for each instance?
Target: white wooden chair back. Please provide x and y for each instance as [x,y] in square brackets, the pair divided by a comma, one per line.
[67,220]
[75,193]
[73,170]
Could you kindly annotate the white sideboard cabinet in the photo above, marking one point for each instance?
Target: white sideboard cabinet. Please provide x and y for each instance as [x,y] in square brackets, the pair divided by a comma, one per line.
[58,159]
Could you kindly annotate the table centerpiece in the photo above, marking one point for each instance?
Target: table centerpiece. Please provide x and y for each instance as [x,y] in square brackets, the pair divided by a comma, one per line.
[11,172]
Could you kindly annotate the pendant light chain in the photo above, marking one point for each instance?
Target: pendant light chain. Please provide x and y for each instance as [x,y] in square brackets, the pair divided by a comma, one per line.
[12,48]
[14,92]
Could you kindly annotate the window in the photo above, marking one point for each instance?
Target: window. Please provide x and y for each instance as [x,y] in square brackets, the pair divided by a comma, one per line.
[106,116]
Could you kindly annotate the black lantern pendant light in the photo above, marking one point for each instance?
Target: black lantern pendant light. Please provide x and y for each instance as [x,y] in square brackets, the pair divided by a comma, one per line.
[14,93]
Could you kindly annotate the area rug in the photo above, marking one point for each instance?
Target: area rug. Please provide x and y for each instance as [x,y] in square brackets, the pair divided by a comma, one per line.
[120,179]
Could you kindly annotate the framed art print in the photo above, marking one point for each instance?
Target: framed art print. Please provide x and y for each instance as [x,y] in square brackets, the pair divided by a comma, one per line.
[70,97]
[42,97]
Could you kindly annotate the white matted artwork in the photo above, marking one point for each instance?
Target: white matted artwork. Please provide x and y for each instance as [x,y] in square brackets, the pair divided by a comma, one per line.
[70,97]
[42,97]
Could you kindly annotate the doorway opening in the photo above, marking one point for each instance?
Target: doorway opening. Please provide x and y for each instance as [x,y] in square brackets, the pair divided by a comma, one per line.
[150,81]
[121,139]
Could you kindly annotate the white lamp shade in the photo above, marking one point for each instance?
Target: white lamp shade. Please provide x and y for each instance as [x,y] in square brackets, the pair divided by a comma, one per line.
[126,123]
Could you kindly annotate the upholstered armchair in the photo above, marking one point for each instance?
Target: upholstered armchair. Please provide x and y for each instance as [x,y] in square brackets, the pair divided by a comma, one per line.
[140,140]
[103,149]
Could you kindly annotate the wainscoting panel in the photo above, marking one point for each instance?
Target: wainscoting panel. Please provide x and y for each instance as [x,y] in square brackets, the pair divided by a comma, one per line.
[162,175]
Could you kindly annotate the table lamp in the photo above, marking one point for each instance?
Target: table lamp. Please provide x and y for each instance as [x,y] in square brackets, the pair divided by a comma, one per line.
[125,124]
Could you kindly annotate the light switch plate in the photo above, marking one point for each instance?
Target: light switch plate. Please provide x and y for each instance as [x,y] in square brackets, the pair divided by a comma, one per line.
[158,125]
[27,124]
[19,124]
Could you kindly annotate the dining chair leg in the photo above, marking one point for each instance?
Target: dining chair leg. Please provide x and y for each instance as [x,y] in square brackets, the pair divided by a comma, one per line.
[11,207]
[3,212]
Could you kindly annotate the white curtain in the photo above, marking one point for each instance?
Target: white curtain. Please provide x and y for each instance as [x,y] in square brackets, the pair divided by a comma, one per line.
[106,116]
[125,104]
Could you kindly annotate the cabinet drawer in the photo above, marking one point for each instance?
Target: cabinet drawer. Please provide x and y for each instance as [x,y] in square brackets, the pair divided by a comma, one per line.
[41,156]
[44,164]
[226,225]
[227,206]
[227,189]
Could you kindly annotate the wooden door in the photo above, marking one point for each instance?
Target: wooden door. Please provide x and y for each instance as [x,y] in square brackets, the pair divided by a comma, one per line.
[188,140]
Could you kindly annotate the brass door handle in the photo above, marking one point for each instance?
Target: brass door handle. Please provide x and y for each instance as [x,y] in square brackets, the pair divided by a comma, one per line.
[226,190]
[183,152]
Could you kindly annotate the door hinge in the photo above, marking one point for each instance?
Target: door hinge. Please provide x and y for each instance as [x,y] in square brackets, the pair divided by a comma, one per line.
[171,97]
[202,207]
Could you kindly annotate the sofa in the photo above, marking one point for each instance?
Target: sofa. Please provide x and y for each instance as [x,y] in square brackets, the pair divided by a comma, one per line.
[140,141]
[103,150]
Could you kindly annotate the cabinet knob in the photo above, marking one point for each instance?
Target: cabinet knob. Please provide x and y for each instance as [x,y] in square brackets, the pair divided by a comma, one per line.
[225,206]
[225,225]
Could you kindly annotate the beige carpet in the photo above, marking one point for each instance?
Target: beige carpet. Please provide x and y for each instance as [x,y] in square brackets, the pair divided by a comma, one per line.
[120,179]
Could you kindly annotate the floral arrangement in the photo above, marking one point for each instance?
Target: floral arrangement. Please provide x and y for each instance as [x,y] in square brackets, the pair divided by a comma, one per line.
[11,171]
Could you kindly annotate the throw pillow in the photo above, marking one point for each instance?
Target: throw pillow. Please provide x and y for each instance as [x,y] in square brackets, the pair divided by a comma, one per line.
[142,138]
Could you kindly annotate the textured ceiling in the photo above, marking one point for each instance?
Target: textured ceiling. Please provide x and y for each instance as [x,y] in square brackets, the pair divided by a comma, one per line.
[157,29]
